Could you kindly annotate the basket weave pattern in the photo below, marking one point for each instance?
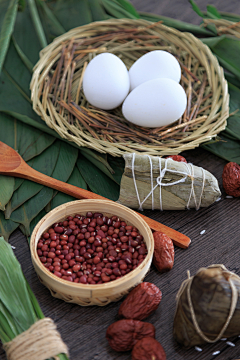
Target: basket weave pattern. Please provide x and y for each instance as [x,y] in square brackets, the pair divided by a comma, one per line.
[58,98]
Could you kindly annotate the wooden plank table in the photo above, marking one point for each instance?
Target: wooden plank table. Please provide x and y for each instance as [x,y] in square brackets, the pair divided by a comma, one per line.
[83,328]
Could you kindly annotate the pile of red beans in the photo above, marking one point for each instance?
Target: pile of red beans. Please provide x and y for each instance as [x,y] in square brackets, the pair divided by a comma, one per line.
[91,249]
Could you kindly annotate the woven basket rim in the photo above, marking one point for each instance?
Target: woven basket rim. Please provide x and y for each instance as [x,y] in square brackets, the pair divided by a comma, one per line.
[214,122]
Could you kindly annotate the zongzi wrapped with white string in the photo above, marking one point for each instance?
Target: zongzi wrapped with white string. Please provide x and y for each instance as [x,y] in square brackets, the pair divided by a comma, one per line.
[150,182]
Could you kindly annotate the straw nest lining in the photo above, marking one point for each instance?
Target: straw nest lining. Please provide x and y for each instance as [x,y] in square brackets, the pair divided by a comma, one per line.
[58,98]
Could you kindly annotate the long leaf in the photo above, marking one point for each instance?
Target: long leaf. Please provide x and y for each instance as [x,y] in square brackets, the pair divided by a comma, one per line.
[212,12]
[97,10]
[53,21]
[37,23]
[29,142]
[98,182]
[11,278]
[228,58]
[226,149]
[31,208]
[129,8]
[177,24]
[72,13]
[114,9]
[7,30]
[6,226]
[26,36]
[196,8]
[21,54]
[98,164]
[75,179]
[6,190]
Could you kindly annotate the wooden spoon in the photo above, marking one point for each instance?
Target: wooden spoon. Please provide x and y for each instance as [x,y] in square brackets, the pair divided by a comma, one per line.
[11,163]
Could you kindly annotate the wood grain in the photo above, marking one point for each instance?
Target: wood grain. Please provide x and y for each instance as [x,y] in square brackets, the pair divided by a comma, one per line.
[83,329]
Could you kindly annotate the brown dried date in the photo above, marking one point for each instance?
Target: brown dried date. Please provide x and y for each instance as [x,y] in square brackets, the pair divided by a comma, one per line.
[148,349]
[231,179]
[163,256]
[178,158]
[123,334]
[140,302]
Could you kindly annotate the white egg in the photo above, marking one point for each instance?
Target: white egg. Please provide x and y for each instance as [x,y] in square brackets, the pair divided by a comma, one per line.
[155,103]
[106,81]
[155,64]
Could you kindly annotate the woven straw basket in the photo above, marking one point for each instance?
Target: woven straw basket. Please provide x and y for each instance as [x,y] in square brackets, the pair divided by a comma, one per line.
[81,294]
[57,95]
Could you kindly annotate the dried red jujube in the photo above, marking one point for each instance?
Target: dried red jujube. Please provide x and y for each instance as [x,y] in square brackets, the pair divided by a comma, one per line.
[178,158]
[231,179]
[140,302]
[163,256]
[123,334]
[148,349]
[91,249]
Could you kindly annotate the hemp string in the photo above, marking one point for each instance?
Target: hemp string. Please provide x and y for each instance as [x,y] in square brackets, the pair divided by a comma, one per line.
[41,341]
[189,172]
[187,285]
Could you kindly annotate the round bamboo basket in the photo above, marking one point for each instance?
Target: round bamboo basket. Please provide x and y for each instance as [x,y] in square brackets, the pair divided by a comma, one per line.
[81,294]
[57,96]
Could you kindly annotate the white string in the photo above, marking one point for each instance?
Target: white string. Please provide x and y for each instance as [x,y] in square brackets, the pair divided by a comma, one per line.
[189,173]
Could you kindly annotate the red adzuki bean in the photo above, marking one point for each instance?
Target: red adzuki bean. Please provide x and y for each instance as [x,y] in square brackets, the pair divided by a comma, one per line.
[91,249]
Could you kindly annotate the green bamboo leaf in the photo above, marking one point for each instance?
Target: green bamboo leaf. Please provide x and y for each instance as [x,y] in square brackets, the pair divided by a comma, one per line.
[29,142]
[21,54]
[7,29]
[227,149]
[229,16]
[72,13]
[129,7]
[98,164]
[75,179]
[97,156]
[44,163]
[31,208]
[11,278]
[118,165]
[34,222]
[6,226]
[233,127]
[18,182]
[196,8]
[27,190]
[177,24]
[51,22]
[24,35]
[37,23]
[114,9]
[232,79]
[66,161]
[234,93]
[6,190]
[97,10]
[19,308]
[227,51]
[212,12]
[97,181]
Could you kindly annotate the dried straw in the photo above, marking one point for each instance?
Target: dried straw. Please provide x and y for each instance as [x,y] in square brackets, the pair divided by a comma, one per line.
[58,97]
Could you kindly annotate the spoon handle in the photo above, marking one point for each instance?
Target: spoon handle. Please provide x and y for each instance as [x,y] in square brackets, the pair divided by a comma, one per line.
[26,172]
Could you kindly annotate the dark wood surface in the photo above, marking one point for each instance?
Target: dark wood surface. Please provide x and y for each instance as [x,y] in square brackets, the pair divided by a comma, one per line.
[83,328]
